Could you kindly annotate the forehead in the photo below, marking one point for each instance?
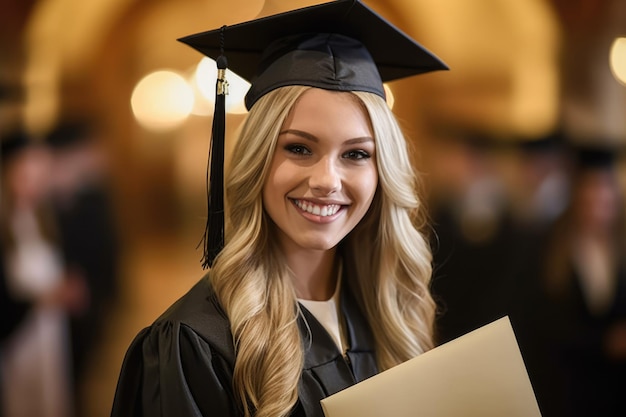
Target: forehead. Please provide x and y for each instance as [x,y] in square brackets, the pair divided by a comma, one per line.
[323,110]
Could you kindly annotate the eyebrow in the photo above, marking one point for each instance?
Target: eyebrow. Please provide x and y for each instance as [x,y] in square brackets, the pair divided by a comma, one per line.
[313,138]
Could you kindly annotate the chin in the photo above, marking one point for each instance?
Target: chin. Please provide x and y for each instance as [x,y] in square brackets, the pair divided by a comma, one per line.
[318,244]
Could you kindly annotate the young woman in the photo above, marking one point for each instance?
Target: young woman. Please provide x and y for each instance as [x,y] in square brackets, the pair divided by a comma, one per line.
[323,278]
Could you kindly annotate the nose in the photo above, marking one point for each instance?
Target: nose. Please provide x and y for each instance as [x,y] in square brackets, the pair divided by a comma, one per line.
[325,177]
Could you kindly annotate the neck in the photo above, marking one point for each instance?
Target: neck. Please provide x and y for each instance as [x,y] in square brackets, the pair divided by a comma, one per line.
[315,273]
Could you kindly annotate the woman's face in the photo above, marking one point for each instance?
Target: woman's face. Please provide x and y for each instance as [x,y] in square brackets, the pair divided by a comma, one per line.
[28,176]
[598,200]
[323,174]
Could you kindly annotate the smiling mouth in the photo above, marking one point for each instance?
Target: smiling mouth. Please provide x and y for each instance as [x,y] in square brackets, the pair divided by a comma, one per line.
[317,209]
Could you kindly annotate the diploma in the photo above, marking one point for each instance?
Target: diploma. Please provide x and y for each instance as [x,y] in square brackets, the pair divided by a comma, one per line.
[479,374]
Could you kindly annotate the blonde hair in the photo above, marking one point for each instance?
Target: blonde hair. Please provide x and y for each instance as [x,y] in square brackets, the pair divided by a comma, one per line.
[387,259]
[390,258]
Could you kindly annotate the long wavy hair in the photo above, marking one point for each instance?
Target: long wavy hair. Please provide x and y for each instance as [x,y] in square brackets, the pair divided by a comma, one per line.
[387,259]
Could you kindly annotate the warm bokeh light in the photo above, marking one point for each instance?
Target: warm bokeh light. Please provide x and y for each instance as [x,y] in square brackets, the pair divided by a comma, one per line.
[617,59]
[205,77]
[162,100]
[389,96]
[203,103]
[503,78]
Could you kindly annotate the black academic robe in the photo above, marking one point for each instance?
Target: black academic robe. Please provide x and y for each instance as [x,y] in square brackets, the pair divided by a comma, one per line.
[12,310]
[594,382]
[89,243]
[182,365]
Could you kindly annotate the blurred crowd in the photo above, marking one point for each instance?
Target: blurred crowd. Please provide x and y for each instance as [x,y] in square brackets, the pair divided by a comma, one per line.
[532,229]
[535,230]
[58,267]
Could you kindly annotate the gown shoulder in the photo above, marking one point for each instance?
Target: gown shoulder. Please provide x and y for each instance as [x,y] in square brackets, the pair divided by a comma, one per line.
[181,365]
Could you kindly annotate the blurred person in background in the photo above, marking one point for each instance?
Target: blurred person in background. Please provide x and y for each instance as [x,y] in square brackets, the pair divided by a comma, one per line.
[34,351]
[88,237]
[584,275]
[540,191]
[476,255]
[488,227]
[13,309]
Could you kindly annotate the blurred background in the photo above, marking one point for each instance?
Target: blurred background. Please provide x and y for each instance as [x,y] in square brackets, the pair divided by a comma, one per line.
[105,122]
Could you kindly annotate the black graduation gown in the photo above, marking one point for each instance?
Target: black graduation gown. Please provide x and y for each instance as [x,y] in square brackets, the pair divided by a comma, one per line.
[12,310]
[594,382]
[90,245]
[182,364]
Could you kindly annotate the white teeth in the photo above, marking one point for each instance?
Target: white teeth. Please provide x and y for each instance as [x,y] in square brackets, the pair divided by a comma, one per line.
[323,211]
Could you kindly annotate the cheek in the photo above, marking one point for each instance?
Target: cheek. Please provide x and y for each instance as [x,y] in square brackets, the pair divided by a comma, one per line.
[277,180]
[367,185]
[276,186]
[269,191]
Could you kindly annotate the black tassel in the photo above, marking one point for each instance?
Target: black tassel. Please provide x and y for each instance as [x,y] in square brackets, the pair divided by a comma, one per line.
[213,239]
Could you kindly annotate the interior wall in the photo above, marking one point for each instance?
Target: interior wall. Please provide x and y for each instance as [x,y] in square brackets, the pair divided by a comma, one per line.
[506,80]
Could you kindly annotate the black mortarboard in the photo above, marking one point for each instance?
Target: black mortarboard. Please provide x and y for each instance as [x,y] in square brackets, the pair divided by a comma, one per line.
[296,48]
[590,157]
[551,142]
[342,45]
[12,143]
[69,133]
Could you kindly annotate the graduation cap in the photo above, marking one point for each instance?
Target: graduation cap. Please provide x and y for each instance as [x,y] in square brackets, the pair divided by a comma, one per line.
[552,142]
[69,133]
[12,143]
[342,45]
[589,157]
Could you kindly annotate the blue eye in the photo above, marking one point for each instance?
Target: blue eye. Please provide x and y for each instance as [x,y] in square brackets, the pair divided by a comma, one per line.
[357,154]
[298,149]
